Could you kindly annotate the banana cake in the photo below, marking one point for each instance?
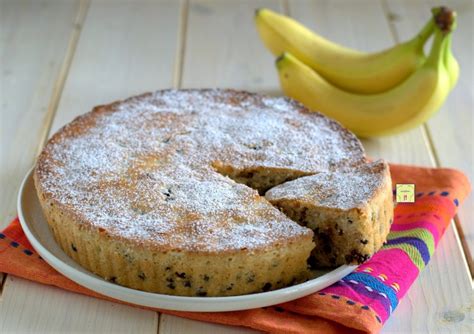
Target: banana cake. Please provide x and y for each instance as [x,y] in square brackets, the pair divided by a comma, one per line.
[164,192]
[349,210]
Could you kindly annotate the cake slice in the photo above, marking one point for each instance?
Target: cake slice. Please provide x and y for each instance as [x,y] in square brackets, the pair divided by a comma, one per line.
[350,211]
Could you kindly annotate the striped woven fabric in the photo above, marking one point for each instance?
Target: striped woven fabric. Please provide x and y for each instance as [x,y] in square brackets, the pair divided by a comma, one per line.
[383,280]
[360,302]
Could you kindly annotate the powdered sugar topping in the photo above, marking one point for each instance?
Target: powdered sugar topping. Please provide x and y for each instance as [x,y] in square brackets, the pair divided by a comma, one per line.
[141,168]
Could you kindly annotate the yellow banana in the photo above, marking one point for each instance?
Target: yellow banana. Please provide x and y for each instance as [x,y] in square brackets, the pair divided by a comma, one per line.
[444,16]
[451,63]
[445,19]
[405,106]
[358,72]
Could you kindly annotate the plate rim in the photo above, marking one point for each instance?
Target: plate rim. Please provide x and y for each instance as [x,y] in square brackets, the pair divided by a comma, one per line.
[170,302]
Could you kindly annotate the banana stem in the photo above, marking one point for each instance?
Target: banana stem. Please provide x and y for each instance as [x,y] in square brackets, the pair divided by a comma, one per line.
[425,33]
[436,55]
[447,47]
[445,22]
[445,18]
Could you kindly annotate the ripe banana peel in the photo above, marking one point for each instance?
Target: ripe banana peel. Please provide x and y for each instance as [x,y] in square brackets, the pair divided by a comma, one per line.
[354,71]
[402,107]
[451,63]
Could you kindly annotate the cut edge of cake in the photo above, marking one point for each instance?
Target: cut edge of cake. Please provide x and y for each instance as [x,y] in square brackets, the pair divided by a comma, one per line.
[347,233]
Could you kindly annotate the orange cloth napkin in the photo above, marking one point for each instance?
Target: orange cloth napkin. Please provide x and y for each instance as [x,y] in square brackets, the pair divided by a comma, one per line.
[360,302]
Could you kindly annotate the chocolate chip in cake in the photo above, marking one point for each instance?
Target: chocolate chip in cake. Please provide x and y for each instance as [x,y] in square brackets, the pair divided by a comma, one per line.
[312,261]
[171,286]
[230,286]
[73,247]
[327,248]
[254,146]
[206,278]
[364,241]
[187,284]
[113,279]
[180,275]
[356,256]
[247,175]
[142,276]
[267,287]
[349,221]
[168,194]
[201,292]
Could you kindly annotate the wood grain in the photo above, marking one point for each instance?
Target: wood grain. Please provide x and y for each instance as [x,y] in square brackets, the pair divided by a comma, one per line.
[340,21]
[28,307]
[129,47]
[451,129]
[172,324]
[125,48]
[28,83]
[434,294]
[34,40]
[222,49]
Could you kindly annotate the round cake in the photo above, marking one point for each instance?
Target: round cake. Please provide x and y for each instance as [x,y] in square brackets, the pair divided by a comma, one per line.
[163,192]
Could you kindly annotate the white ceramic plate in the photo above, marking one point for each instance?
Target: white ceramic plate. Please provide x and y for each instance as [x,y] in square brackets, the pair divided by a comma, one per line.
[38,233]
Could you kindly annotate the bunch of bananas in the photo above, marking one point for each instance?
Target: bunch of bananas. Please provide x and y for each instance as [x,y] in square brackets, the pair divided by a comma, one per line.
[372,94]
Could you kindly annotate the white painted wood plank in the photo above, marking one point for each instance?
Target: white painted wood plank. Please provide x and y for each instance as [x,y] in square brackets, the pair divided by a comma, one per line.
[435,295]
[172,324]
[125,48]
[362,25]
[56,311]
[441,300]
[222,49]
[453,127]
[34,38]
[27,84]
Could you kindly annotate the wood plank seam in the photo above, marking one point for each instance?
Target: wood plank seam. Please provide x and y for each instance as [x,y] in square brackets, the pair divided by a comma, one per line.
[178,75]
[181,45]
[2,283]
[63,73]
[456,221]
[430,146]
[285,6]
[58,87]
[462,239]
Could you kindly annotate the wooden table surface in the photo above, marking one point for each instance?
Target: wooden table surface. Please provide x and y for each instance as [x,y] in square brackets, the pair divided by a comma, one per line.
[60,58]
